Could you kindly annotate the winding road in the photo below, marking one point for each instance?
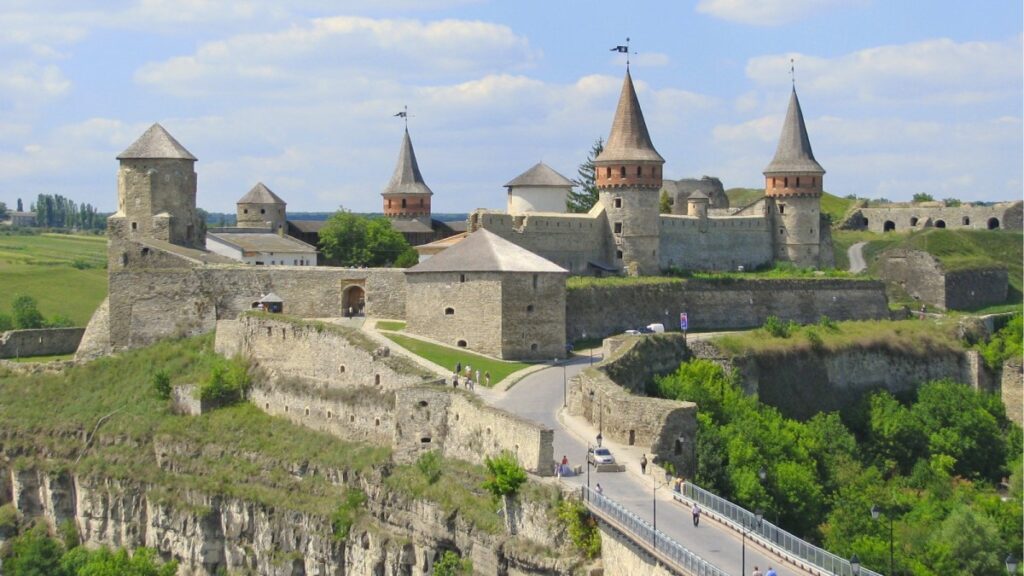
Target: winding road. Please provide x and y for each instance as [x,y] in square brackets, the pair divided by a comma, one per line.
[855,254]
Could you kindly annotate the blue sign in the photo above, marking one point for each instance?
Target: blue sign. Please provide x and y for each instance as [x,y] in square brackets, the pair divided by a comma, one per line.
[684,323]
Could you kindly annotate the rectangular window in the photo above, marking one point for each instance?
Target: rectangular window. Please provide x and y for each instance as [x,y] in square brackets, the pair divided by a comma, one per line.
[618,202]
[618,227]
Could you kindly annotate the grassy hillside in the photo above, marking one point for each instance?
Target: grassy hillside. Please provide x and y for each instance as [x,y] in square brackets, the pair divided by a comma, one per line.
[65,273]
[834,206]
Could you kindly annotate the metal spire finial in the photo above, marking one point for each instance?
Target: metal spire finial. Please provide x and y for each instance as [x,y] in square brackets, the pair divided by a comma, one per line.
[405,115]
[623,50]
[792,73]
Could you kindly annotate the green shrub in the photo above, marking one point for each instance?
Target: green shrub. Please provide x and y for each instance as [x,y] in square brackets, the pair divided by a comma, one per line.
[6,322]
[429,465]
[161,382]
[350,509]
[8,519]
[828,323]
[581,526]
[505,475]
[26,313]
[68,533]
[776,327]
[227,383]
[451,564]
[60,321]
[1004,344]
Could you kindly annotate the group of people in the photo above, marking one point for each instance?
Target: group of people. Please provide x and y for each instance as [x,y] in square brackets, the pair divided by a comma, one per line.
[757,572]
[467,378]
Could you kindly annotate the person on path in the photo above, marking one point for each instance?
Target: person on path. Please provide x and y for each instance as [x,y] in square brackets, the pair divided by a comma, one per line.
[756,572]
[458,367]
[469,384]
[455,381]
[487,378]
[771,572]
[477,379]
[696,514]
[469,370]
[643,464]
[599,489]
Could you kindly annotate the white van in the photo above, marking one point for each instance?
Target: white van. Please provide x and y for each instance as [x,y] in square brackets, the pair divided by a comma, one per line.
[656,328]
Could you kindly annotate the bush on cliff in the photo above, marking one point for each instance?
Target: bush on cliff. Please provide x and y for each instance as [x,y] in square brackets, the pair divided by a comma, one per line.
[227,382]
[581,526]
[1004,344]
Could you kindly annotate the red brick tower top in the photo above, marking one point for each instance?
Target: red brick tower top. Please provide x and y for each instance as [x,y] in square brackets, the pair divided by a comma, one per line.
[407,195]
[629,158]
[793,171]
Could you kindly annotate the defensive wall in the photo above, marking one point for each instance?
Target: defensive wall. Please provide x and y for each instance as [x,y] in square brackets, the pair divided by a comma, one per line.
[39,342]
[694,243]
[924,277]
[1011,389]
[620,409]
[599,310]
[339,381]
[905,217]
[161,293]
[572,241]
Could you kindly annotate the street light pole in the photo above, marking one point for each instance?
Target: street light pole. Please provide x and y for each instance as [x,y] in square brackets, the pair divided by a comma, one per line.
[875,511]
[654,506]
[747,530]
[564,385]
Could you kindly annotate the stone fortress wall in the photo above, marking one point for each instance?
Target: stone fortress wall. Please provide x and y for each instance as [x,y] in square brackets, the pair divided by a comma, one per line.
[719,305]
[378,397]
[905,217]
[923,276]
[722,243]
[40,342]
[570,240]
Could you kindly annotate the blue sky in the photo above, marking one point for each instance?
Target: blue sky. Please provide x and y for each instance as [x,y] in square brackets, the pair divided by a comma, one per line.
[899,96]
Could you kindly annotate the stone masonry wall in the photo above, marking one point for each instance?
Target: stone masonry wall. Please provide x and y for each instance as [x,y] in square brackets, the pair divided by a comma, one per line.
[978,288]
[719,305]
[41,342]
[150,303]
[910,217]
[1012,390]
[692,243]
[569,240]
[620,556]
[334,357]
[457,309]
[533,316]
[922,276]
[361,414]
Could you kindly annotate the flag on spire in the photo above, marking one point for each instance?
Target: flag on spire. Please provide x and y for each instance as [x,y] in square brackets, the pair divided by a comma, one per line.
[620,49]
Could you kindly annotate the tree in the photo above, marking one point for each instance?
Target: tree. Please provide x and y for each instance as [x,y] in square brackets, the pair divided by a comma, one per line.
[922,197]
[584,195]
[21,207]
[963,544]
[951,202]
[665,203]
[34,554]
[451,564]
[351,240]
[505,476]
[3,211]
[26,313]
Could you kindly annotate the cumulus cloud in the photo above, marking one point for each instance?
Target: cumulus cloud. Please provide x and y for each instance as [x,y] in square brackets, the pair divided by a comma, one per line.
[768,12]
[937,71]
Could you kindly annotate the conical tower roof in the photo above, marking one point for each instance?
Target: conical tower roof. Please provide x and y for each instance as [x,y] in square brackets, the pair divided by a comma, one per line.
[156,142]
[407,178]
[260,194]
[794,153]
[629,140]
[540,175]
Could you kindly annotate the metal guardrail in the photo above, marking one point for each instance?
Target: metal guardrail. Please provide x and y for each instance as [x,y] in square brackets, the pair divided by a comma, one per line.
[645,534]
[770,534]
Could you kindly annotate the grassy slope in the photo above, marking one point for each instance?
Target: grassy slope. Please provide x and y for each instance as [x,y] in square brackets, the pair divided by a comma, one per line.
[448,357]
[237,451]
[41,266]
[834,206]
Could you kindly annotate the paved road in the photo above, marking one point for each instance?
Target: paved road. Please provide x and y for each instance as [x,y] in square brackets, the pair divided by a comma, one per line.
[855,254]
[539,397]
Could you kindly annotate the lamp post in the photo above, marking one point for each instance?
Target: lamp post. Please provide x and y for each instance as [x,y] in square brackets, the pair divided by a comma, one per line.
[565,402]
[875,512]
[747,530]
[590,350]
[587,458]
[693,455]
[1011,564]
[763,475]
[854,565]
[654,506]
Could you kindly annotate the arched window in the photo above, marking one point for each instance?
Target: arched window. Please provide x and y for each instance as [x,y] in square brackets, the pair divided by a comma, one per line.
[403,202]
[529,307]
[940,223]
[461,344]
[993,223]
[533,347]
[797,181]
[967,220]
[889,226]
[913,220]
[622,171]
[449,311]
[785,182]
[638,171]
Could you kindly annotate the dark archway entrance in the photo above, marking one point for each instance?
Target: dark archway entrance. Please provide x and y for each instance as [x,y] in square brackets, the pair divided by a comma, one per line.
[889,226]
[353,301]
[993,223]
[940,223]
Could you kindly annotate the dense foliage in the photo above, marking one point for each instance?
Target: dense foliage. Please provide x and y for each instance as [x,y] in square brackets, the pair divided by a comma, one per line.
[348,239]
[34,553]
[581,526]
[25,315]
[352,507]
[226,383]
[56,211]
[1005,344]
[451,564]
[584,194]
[933,464]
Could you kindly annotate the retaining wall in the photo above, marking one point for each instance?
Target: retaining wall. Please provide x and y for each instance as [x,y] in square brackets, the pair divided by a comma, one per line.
[40,342]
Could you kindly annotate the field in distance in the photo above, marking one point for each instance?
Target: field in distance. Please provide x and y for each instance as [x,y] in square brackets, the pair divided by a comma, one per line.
[65,273]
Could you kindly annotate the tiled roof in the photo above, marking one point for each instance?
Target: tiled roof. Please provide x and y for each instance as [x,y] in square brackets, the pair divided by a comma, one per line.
[794,152]
[540,175]
[156,142]
[629,140]
[261,242]
[485,251]
[260,194]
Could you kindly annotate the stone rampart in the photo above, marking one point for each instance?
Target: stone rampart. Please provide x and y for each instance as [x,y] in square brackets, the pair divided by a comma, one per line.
[925,278]
[40,342]
[902,218]
[1012,390]
[333,356]
[461,426]
[619,555]
[692,243]
[179,297]
[572,241]
[359,414]
[663,426]
[599,310]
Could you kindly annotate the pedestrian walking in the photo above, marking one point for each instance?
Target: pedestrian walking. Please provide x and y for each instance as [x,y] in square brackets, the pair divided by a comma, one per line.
[469,370]
[599,489]
[643,464]
[756,572]
[477,379]
[455,381]
[469,384]
[487,379]
[458,367]
[771,572]
[696,514]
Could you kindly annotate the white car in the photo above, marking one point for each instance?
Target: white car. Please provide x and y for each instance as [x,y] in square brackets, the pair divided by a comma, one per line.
[599,456]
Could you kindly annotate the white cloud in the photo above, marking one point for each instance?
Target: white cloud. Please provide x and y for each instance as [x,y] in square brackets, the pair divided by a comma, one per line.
[28,84]
[768,12]
[937,71]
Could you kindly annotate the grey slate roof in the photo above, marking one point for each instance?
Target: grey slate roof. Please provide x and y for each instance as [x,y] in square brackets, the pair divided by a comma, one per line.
[407,178]
[260,194]
[308,226]
[794,152]
[156,142]
[485,251]
[629,140]
[698,195]
[261,242]
[540,175]
[411,226]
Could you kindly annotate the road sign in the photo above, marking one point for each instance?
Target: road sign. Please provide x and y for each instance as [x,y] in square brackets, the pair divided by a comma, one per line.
[684,323]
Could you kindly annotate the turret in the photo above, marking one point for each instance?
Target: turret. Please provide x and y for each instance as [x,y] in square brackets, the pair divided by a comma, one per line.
[261,208]
[407,195]
[793,187]
[697,204]
[539,189]
[628,178]
[156,192]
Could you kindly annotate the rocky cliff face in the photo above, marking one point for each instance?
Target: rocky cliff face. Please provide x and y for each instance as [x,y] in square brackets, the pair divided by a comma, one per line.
[208,534]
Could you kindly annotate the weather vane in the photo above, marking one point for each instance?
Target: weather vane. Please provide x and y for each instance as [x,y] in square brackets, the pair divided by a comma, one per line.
[623,50]
[792,73]
[404,114]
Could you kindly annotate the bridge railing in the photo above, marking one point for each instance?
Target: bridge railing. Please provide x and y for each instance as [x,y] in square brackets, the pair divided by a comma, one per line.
[768,533]
[644,533]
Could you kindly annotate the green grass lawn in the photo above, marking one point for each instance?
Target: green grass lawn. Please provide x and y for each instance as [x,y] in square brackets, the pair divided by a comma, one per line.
[65,273]
[449,357]
[392,325]
[52,358]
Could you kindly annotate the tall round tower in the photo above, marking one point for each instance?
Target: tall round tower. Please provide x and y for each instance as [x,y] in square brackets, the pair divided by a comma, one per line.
[628,178]
[407,195]
[793,186]
[261,208]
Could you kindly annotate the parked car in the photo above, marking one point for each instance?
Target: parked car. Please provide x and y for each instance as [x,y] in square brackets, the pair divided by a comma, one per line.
[632,332]
[598,456]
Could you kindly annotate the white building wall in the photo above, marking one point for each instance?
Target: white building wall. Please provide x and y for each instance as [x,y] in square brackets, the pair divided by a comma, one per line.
[262,258]
[537,199]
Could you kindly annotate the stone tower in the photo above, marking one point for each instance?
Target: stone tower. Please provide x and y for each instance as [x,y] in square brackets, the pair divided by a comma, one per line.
[406,195]
[628,178]
[156,194]
[793,185]
[261,208]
